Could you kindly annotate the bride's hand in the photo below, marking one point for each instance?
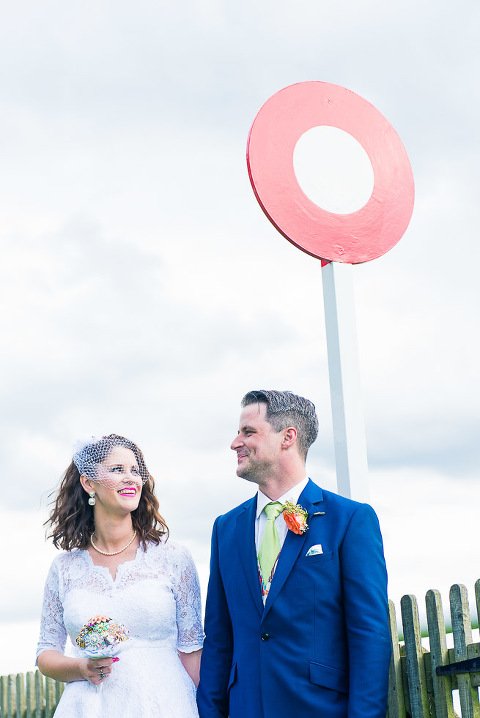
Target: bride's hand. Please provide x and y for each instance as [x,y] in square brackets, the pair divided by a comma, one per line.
[95,670]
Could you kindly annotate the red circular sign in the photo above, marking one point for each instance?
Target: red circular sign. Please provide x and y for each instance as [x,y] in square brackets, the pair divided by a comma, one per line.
[357,237]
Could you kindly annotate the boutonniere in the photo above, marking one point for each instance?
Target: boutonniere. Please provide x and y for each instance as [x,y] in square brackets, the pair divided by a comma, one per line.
[295,517]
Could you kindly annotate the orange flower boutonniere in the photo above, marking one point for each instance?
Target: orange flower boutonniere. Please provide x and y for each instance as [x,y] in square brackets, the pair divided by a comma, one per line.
[295,517]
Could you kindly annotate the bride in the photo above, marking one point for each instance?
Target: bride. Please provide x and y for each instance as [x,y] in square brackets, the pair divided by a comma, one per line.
[117,563]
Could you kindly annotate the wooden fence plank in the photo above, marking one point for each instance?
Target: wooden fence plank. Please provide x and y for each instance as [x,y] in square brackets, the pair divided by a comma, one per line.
[11,696]
[442,685]
[30,693]
[415,670]
[396,699]
[477,600]
[38,695]
[59,688]
[50,702]
[462,637]
[3,695]
[20,703]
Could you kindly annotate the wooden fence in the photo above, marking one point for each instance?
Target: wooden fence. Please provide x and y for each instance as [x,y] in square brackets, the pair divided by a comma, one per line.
[415,690]
[28,695]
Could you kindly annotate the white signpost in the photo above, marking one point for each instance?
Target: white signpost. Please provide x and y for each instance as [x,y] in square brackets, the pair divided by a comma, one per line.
[345,385]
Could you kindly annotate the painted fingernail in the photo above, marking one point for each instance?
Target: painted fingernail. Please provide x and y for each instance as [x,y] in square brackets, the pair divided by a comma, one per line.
[115,659]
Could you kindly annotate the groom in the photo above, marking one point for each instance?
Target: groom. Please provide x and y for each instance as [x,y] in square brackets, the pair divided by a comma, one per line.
[296,618]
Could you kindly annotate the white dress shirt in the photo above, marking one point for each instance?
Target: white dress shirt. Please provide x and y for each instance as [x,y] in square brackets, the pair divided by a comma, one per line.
[293,494]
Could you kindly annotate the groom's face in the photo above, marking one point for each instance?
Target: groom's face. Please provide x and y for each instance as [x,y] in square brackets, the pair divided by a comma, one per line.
[257,444]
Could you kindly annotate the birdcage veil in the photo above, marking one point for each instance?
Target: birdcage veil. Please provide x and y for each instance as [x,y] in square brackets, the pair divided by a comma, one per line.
[90,455]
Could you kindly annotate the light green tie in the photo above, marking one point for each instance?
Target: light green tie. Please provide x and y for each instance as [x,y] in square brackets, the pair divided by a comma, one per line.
[270,546]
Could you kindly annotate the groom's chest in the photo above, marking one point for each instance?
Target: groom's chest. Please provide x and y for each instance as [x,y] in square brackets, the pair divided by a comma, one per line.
[309,562]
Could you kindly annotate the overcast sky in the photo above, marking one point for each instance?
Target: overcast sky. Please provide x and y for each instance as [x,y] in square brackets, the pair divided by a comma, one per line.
[144,291]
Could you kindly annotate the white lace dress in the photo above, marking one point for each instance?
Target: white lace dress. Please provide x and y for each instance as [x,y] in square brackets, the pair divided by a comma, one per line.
[157,597]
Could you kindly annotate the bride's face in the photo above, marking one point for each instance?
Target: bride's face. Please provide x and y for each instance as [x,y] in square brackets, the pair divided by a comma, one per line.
[118,478]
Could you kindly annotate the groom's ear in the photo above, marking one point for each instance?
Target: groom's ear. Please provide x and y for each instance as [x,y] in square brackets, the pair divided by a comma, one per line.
[289,437]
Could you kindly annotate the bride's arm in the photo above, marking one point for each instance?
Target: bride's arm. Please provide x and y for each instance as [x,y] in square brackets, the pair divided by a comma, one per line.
[191,663]
[53,635]
[189,616]
[63,668]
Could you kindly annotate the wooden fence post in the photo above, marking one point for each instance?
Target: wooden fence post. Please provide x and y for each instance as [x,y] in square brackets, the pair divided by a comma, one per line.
[462,636]
[396,698]
[30,693]
[417,686]
[50,702]
[20,703]
[11,696]
[442,685]
[38,694]
[477,600]
[3,695]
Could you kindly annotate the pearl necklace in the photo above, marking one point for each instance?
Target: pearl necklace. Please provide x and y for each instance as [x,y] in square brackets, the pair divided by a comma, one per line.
[113,553]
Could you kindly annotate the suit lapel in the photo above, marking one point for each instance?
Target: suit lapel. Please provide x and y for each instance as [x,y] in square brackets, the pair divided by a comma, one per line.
[310,498]
[245,538]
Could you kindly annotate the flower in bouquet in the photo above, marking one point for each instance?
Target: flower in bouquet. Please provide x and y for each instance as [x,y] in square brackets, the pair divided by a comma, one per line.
[101,637]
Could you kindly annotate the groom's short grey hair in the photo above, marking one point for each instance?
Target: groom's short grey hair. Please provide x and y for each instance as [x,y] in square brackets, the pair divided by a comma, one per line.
[284,408]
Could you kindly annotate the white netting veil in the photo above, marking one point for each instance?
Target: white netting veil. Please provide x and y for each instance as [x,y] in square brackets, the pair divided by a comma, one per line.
[93,459]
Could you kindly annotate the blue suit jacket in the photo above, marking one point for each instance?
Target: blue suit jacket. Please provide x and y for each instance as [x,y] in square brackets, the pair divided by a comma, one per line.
[321,645]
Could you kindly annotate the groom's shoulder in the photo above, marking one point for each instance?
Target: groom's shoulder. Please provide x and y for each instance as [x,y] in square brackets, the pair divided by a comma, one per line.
[236,511]
[336,501]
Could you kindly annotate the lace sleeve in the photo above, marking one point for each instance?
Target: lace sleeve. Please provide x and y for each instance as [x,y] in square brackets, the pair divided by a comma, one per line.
[53,634]
[187,596]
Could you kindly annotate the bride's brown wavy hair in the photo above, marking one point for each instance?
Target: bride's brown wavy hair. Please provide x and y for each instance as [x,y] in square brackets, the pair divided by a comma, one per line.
[71,519]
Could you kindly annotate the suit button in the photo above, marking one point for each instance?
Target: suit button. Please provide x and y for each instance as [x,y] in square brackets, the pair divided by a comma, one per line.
[265,636]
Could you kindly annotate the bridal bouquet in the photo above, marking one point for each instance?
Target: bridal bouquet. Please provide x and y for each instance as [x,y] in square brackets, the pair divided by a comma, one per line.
[101,637]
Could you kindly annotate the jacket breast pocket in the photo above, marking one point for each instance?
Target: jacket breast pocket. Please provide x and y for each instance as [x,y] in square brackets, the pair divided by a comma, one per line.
[328,677]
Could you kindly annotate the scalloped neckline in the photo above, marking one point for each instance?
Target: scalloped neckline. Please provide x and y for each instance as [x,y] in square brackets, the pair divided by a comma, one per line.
[120,566]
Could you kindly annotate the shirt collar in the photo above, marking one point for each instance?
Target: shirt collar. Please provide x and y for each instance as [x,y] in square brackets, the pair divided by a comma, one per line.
[293,494]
